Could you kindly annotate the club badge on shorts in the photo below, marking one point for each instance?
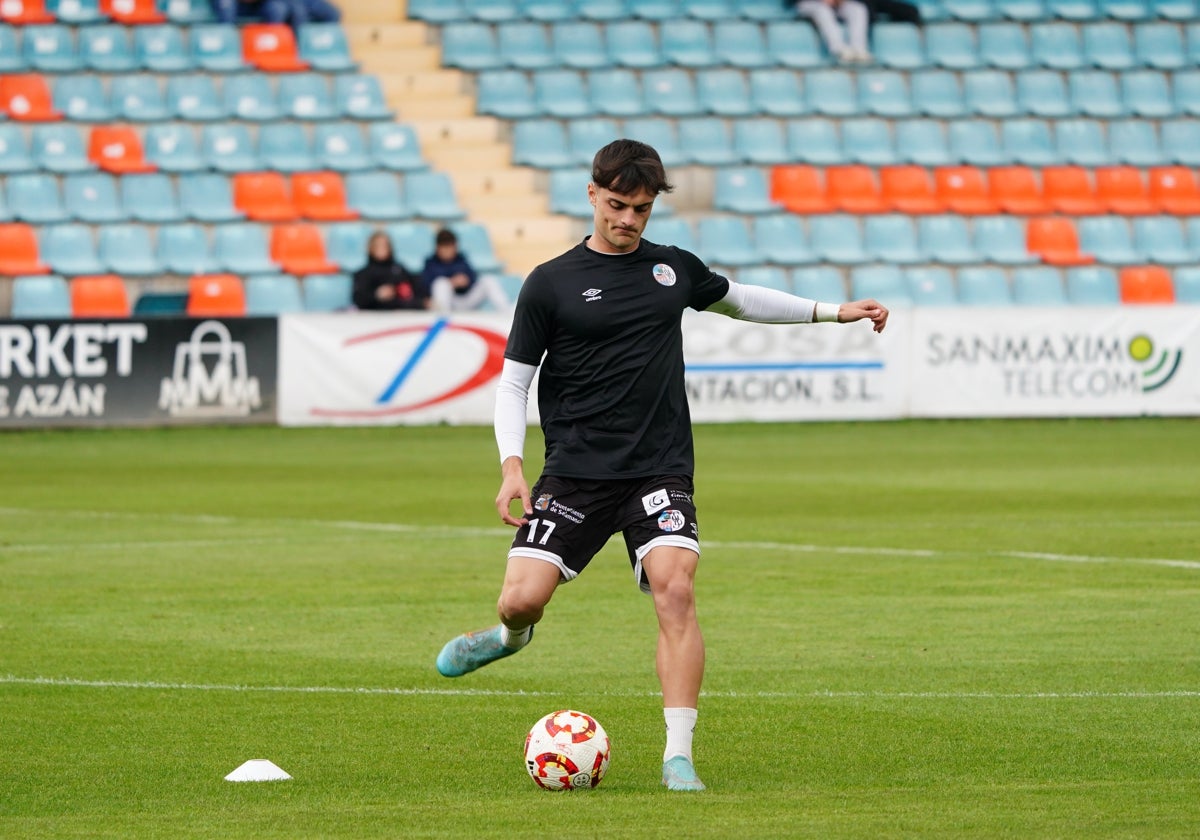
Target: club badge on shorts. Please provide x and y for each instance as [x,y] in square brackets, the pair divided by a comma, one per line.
[671,521]
[664,274]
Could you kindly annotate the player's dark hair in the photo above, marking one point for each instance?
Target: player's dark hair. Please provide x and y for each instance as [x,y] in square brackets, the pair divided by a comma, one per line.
[624,166]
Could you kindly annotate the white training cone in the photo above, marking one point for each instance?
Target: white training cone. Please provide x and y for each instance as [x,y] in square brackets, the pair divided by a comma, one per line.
[258,770]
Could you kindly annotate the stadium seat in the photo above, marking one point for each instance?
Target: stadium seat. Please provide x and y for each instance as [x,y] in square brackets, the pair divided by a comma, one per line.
[909,189]
[976,142]
[882,282]
[707,141]
[1181,142]
[1146,285]
[377,195]
[854,189]
[740,43]
[173,148]
[70,249]
[1028,142]
[1187,92]
[11,60]
[541,143]
[671,230]
[1073,10]
[832,93]
[117,149]
[794,44]
[725,92]
[59,148]
[922,143]
[1106,45]
[395,146]
[431,195]
[207,197]
[670,91]
[989,93]
[494,11]
[50,48]
[1081,142]
[561,93]
[898,46]
[107,49]
[1123,190]
[661,133]
[1004,46]
[1043,93]
[1177,10]
[132,12]
[150,198]
[983,286]
[75,12]
[952,46]
[688,43]
[1124,10]
[26,12]
[1159,45]
[800,188]
[300,249]
[264,196]
[1174,190]
[819,283]
[777,92]
[1056,241]
[726,241]
[1001,239]
[470,46]
[127,250]
[946,239]
[35,197]
[162,49]
[438,11]
[1187,284]
[272,294]
[1092,285]
[760,141]
[884,93]
[781,239]
[184,250]
[1147,93]
[837,239]
[1057,46]
[579,44]
[766,276]
[271,47]
[14,150]
[321,196]
[19,250]
[83,98]
[742,189]
[1135,142]
[524,45]
[1110,240]
[617,92]
[507,94]
[346,244]
[1016,190]
[138,99]
[327,292]
[930,286]
[1095,94]
[194,98]
[1038,286]
[323,47]
[216,296]
[814,140]
[1162,240]
[99,296]
[26,98]
[475,241]
[548,10]
[360,97]
[339,146]
[217,48]
[40,297]
[892,238]
[306,96]
[285,147]
[1070,190]
[964,189]
[251,97]
[228,147]
[938,93]
[585,136]
[568,192]
[243,248]
[633,43]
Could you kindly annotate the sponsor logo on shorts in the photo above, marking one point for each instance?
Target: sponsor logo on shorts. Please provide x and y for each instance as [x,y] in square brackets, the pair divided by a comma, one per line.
[671,520]
[567,513]
[656,501]
[664,274]
[543,501]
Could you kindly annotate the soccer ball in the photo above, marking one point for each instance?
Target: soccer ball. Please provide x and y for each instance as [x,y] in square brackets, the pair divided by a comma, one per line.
[566,750]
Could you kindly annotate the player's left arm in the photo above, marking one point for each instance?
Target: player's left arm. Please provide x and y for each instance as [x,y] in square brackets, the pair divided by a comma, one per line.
[771,306]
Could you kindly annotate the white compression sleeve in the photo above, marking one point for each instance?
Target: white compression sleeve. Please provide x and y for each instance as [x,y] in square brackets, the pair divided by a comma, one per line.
[771,306]
[512,405]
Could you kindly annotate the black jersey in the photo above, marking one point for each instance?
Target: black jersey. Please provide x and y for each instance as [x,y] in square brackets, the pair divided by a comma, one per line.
[611,392]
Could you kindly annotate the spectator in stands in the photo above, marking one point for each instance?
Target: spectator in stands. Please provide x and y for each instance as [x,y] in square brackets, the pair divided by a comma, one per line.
[454,284]
[848,46]
[896,11]
[295,12]
[384,283]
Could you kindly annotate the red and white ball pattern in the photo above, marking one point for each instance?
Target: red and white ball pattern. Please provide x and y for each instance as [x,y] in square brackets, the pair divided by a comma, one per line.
[566,750]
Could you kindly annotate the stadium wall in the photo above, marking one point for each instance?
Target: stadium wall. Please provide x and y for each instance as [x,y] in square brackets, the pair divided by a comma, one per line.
[377,368]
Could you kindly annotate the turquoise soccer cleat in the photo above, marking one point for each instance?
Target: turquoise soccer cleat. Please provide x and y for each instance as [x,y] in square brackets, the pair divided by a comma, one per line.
[679,774]
[471,651]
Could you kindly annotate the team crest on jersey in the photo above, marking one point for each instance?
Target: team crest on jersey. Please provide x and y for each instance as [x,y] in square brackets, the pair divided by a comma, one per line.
[664,274]
[671,520]
[543,501]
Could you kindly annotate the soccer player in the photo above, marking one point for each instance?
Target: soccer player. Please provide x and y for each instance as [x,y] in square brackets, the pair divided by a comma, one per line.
[603,321]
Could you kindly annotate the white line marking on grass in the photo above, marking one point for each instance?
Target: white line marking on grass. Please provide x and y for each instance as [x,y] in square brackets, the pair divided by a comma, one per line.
[452,531]
[67,682]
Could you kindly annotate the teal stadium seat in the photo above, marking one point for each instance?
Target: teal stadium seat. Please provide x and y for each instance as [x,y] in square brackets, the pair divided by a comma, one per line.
[82,98]
[35,197]
[1160,46]
[923,142]
[59,148]
[431,195]
[725,92]
[1001,239]
[740,43]
[1109,239]
[1178,10]
[475,241]
[127,250]
[107,48]
[494,11]
[1092,285]
[1125,10]
[360,97]
[931,286]
[821,283]
[268,295]
[1187,284]
[990,93]
[617,93]
[938,93]
[885,93]
[507,94]
[952,46]
[766,276]
[1029,142]
[1038,286]
[580,44]
[587,136]
[662,134]
[550,10]
[228,147]
[76,12]
[217,48]
[1043,93]
[832,93]
[671,230]
[70,249]
[242,248]
[972,11]
[46,296]
[11,59]
[898,46]
[184,250]
[377,195]
[395,146]
[881,282]
[561,93]
[633,43]
[1135,142]
[1147,93]
[605,10]
[767,11]
[286,147]
[1057,46]
[1073,10]
[173,148]
[688,43]
[1181,142]
[710,10]
[1081,142]
[188,11]
[340,146]
[868,141]
[977,143]
[327,292]
[412,242]
[760,141]
[1096,94]
[1108,46]
[892,238]
[1004,46]
[471,46]
[983,286]
[207,197]
[947,239]
[815,140]
[777,92]
[541,143]
[837,239]
[250,97]
[1187,92]
[726,241]
[525,45]
[657,10]
[568,192]
[742,189]
[794,44]
[162,48]
[1163,240]
[14,150]
[346,244]
[150,197]
[194,98]
[306,96]
[138,98]
[782,239]
[50,48]
[325,48]
[707,141]
[438,11]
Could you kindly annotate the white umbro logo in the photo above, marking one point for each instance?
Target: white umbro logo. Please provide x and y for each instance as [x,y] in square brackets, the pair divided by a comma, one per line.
[592,294]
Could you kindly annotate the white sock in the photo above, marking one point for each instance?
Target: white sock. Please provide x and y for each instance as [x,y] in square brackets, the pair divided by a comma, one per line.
[515,639]
[680,724]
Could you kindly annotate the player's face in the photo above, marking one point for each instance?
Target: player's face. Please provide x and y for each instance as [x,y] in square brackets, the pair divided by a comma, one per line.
[620,218]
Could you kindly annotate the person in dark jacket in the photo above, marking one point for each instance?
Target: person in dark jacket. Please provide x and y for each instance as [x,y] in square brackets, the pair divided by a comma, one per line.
[384,283]
[453,283]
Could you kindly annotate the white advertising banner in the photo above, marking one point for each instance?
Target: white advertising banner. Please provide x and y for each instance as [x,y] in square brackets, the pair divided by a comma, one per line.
[1064,362]
[369,368]
[738,371]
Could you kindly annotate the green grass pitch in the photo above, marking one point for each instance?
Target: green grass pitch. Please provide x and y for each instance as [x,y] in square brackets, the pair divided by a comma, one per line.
[966,629]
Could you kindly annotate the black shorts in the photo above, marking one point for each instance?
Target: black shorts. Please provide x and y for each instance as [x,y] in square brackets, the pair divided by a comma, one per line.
[574,517]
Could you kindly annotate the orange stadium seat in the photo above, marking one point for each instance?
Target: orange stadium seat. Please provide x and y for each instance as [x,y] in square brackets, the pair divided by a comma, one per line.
[1146,284]
[99,296]
[1056,241]
[1122,190]
[23,12]
[909,189]
[964,189]
[1069,189]
[216,296]
[26,98]
[271,47]
[321,196]
[118,149]
[800,188]
[854,189]
[1016,190]
[132,11]
[1175,190]
[300,249]
[264,196]
[19,251]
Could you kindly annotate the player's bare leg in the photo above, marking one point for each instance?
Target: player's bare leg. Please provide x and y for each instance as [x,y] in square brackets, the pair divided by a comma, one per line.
[671,571]
[528,586]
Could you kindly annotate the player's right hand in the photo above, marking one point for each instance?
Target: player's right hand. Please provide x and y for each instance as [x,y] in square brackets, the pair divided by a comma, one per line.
[513,487]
